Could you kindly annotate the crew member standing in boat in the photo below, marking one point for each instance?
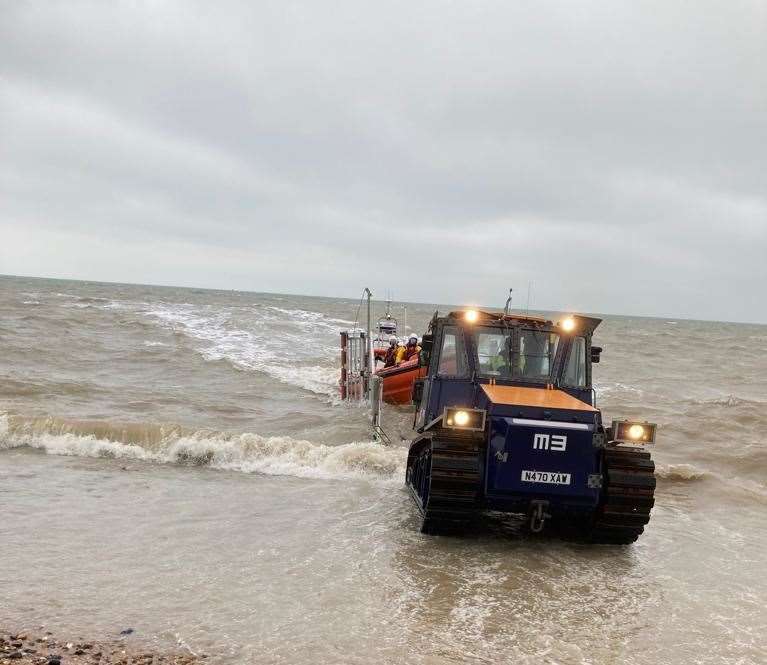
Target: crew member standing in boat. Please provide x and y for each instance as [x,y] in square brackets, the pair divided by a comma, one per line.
[390,359]
[410,351]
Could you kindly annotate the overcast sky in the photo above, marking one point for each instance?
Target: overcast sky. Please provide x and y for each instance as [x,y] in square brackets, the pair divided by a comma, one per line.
[612,153]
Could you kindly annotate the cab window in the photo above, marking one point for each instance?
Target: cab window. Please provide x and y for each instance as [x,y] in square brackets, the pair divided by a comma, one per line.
[493,353]
[575,372]
[452,355]
[537,350]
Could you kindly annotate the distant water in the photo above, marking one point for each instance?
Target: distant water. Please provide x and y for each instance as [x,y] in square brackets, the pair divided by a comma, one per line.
[177,461]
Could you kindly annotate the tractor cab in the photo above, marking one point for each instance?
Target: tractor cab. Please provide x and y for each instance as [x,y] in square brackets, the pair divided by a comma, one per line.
[467,350]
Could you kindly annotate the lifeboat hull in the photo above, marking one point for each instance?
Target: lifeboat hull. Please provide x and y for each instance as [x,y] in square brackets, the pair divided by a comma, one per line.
[398,381]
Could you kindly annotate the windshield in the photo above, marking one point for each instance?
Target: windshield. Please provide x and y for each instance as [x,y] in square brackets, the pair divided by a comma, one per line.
[516,353]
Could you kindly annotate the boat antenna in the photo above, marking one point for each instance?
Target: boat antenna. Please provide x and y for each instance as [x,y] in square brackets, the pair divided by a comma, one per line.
[507,308]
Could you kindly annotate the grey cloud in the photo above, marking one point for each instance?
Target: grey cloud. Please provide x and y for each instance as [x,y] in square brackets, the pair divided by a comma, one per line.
[612,153]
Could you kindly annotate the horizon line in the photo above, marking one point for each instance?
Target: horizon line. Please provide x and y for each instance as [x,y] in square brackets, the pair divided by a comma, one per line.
[406,302]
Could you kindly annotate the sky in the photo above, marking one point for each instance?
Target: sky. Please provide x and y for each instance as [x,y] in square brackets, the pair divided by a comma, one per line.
[612,154]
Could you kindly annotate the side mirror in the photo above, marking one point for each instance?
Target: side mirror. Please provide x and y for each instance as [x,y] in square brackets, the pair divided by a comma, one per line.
[427,343]
[417,391]
[596,352]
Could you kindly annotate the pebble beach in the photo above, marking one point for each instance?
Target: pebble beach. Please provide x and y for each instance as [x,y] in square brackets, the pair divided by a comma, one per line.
[41,647]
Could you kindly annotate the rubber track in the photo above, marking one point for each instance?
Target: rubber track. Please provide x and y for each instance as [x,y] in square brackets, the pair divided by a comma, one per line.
[452,468]
[629,496]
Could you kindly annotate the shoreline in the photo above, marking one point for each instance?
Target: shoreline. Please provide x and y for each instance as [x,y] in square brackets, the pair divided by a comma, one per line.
[41,647]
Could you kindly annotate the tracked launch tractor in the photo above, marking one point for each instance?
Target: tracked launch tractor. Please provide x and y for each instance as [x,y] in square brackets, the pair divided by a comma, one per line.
[506,421]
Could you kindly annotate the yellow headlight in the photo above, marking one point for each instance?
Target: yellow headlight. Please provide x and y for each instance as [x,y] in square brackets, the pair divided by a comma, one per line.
[472,315]
[628,431]
[461,418]
[568,325]
[464,418]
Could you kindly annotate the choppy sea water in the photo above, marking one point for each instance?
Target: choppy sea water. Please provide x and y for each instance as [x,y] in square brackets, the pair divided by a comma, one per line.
[177,461]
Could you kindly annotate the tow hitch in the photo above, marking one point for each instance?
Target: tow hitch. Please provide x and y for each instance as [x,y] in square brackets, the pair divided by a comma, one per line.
[538,515]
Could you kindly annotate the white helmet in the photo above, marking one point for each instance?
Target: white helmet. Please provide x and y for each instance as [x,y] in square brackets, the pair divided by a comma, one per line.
[413,339]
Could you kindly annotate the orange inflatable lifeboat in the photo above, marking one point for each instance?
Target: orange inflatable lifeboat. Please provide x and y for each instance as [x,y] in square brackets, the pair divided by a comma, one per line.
[397,381]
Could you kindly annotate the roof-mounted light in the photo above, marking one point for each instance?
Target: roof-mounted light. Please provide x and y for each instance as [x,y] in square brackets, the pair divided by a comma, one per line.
[471,315]
[568,325]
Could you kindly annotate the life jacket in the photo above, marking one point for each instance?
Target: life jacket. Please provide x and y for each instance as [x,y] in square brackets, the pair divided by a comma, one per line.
[412,351]
[400,355]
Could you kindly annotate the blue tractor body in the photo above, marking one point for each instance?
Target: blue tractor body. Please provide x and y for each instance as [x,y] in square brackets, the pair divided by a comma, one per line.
[518,462]
[507,422]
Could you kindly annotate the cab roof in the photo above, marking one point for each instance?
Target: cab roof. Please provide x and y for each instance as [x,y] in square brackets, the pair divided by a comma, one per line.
[586,324]
[500,316]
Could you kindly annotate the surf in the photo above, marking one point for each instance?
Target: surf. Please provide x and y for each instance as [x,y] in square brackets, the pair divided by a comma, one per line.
[169,443]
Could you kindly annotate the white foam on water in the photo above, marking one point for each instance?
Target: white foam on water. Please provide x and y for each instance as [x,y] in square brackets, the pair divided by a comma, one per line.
[728,401]
[253,453]
[605,389]
[246,452]
[116,304]
[97,303]
[680,472]
[292,346]
[687,473]
[318,379]
[307,319]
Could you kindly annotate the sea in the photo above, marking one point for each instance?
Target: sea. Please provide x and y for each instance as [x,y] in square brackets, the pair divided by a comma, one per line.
[178,462]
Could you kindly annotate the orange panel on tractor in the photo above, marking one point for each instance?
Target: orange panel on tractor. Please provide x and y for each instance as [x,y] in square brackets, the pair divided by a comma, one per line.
[546,399]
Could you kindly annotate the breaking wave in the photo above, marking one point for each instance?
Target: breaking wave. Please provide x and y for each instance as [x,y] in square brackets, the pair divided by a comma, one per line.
[84,299]
[249,452]
[605,390]
[297,347]
[173,444]
[727,401]
[275,343]
[732,485]
[680,472]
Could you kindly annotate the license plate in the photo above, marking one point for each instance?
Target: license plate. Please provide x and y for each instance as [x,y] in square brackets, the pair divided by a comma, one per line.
[550,477]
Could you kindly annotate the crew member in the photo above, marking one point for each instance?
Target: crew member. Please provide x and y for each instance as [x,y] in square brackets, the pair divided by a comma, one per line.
[410,351]
[498,360]
[390,359]
[495,360]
